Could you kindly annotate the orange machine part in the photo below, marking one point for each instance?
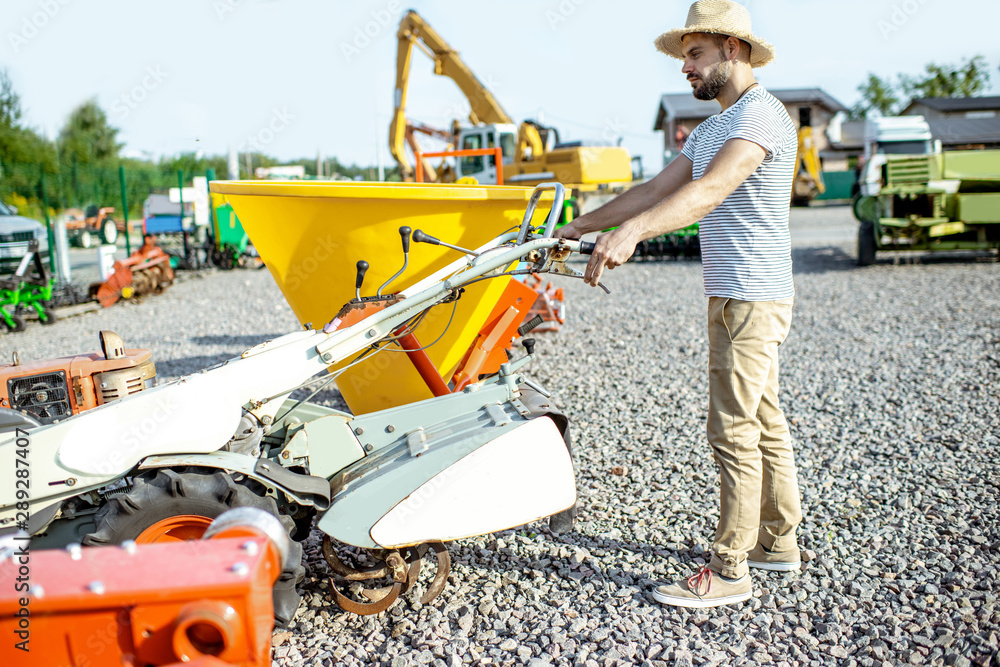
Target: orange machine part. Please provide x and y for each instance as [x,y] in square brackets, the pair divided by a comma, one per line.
[175,529]
[79,369]
[204,602]
[550,304]
[146,257]
[488,351]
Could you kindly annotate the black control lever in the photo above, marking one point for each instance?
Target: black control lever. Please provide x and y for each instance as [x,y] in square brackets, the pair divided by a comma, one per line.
[404,233]
[587,248]
[420,237]
[529,345]
[362,270]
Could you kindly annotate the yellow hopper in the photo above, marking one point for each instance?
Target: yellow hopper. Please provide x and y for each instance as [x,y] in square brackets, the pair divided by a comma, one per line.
[311,234]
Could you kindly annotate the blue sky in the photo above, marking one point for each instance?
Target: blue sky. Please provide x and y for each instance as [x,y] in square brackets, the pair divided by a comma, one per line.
[294,76]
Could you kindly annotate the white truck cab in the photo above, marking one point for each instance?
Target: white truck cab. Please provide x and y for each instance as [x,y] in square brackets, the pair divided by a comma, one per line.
[896,135]
[483,167]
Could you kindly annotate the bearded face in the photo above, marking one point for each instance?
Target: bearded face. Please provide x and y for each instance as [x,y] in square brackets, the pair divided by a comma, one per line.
[708,85]
[706,66]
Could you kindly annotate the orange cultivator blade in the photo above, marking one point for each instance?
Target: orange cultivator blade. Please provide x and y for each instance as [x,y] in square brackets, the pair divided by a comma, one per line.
[550,304]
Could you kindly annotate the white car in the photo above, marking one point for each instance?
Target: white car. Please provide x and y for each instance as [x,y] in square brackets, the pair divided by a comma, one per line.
[16,232]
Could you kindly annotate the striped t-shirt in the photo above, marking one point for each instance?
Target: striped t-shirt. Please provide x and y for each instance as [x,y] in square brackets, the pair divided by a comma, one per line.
[745,246]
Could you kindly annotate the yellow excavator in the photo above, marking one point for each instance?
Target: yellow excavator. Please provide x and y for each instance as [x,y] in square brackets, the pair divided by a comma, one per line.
[808,182]
[532,153]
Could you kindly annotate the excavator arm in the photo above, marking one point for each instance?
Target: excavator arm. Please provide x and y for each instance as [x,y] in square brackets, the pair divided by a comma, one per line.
[414,31]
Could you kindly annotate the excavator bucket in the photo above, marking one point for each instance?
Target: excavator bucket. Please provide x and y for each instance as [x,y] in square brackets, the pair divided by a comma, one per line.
[311,234]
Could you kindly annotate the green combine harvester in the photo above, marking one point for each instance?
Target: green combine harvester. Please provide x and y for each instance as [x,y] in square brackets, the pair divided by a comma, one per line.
[939,202]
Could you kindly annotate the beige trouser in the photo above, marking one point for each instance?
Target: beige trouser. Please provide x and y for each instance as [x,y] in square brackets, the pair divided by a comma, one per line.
[748,433]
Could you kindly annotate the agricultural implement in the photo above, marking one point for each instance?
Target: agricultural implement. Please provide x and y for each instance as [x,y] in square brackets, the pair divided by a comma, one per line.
[419,463]
[24,290]
[145,271]
[231,241]
[937,202]
[682,243]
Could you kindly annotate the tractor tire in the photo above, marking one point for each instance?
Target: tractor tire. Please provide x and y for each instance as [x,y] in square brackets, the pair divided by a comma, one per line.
[160,500]
[19,324]
[84,239]
[866,244]
[866,209]
[50,317]
[109,231]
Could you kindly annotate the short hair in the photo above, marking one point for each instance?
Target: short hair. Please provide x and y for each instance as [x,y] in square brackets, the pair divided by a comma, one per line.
[720,40]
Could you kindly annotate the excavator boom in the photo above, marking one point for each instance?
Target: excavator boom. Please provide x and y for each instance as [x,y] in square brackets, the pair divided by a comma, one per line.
[414,31]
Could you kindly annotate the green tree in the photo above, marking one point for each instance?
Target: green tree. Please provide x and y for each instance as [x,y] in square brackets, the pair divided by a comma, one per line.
[88,156]
[24,154]
[87,137]
[877,94]
[966,80]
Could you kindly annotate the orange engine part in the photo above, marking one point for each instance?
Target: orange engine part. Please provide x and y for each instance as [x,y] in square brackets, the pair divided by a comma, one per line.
[146,270]
[54,389]
[193,603]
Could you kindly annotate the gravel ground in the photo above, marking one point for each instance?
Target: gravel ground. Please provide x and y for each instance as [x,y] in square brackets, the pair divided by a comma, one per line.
[889,380]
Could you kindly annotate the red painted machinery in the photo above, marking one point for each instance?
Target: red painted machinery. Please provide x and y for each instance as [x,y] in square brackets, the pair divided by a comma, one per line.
[205,602]
[145,271]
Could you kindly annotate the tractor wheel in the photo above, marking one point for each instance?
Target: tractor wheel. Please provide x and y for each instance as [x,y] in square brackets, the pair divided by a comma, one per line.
[866,244]
[50,317]
[168,505]
[109,231]
[866,209]
[84,239]
[19,324]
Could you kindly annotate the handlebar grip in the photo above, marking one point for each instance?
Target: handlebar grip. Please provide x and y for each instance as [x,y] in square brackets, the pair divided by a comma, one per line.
[420,237]
[587,248]
[405,233]
[362,269]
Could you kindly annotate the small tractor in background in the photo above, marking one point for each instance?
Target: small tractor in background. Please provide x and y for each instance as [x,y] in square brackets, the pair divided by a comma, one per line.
[94,226]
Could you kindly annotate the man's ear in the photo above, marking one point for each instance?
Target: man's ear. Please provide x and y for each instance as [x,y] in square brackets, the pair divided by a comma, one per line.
[732,48]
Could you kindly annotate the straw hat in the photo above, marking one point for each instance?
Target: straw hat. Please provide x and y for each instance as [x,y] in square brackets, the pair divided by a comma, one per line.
[720,17]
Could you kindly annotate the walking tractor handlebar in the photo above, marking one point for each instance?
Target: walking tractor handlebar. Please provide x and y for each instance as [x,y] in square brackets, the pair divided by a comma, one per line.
[374,318]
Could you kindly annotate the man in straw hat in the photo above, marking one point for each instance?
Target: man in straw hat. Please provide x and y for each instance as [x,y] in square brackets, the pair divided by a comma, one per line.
[735,176]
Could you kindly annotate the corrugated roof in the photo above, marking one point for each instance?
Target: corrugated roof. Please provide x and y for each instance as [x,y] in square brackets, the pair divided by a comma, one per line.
[808,96]
[685,106]
[989,103]
[950,131]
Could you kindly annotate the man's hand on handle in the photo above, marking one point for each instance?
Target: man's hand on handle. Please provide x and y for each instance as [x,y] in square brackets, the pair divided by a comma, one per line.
[612,249]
